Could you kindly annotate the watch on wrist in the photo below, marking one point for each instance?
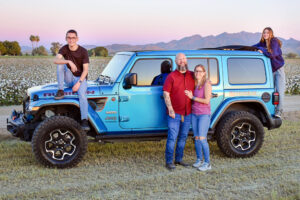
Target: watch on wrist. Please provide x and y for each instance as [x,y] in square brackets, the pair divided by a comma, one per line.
[80,81]
[193,98]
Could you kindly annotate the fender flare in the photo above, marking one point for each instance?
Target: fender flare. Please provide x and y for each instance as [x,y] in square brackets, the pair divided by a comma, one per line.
[93,117]
[216,117]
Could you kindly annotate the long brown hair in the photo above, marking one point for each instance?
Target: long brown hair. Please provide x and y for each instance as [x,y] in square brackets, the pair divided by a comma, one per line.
[268,42]
[203,78]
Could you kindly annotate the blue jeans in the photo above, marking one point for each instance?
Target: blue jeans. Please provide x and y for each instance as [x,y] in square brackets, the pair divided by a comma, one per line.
[64,75]
[200,124]
[179,129]
[279,81]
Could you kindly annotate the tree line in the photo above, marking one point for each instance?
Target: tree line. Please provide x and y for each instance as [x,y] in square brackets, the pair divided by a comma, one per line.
[13,48]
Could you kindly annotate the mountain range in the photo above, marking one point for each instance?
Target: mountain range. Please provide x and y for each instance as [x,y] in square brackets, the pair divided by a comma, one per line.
[197,41]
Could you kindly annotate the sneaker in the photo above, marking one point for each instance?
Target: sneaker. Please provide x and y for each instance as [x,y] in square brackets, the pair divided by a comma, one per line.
[198,163]
[170,166]
[85,125]
[278,113]
[59,95]
[205,166]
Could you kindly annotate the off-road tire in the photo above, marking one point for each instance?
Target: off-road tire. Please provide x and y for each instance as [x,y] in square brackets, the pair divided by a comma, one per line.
[231,125]
[69,133]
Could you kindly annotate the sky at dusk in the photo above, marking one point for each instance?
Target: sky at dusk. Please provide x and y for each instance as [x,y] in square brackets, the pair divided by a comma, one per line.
[143,21]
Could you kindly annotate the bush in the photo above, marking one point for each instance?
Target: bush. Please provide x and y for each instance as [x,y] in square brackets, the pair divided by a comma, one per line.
[10,48]
[2,49]
[98,51]
[41,51]
[55,48]
[291,55]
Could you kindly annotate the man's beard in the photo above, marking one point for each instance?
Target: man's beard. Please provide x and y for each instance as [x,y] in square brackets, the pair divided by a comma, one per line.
[182,68]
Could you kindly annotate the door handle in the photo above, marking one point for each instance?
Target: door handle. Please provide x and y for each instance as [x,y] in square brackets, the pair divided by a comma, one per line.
[214,95]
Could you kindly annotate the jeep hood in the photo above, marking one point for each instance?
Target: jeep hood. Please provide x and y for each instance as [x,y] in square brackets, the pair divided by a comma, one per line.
[49,91]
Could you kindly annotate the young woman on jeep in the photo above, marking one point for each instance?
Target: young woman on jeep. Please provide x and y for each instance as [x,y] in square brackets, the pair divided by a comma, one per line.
[270,46]
[201,116]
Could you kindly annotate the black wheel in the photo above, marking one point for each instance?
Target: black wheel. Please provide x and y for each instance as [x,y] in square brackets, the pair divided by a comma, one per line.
[240,134]
[59,142]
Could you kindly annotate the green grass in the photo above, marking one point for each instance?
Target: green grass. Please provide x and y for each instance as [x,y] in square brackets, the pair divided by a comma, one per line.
[135,170]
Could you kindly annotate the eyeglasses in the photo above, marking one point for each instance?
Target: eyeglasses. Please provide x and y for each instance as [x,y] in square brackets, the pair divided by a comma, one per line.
[71,38]
[198,71]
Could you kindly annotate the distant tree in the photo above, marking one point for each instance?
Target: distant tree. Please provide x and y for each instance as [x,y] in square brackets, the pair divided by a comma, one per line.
[2,49]
[16,49]
[98,51]
[12,48]
[41,51]
[37,39]
[7,45]
[92,52]
[291,55]
[55,48]
[32,39]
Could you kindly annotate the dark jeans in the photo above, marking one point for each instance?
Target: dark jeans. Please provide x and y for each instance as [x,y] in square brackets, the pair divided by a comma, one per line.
[179,129]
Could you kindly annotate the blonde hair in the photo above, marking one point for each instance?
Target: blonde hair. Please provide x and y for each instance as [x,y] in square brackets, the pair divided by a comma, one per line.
[268,42]
[203,80]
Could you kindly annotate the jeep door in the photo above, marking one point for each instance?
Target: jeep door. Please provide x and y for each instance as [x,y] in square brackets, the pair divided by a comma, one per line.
[214,74]
[142,107]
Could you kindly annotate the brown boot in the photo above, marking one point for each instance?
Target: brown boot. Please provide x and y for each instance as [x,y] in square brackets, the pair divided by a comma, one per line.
[59,95]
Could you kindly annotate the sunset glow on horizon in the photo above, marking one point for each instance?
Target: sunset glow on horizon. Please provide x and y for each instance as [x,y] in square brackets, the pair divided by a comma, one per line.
[142,21]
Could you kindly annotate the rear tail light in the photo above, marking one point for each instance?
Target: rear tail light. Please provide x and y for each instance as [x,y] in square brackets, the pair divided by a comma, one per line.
[275,98]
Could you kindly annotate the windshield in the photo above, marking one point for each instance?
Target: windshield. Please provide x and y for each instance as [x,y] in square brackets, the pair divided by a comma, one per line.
[115,66]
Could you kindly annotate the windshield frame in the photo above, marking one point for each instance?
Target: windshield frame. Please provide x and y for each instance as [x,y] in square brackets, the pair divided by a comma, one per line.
[117,70]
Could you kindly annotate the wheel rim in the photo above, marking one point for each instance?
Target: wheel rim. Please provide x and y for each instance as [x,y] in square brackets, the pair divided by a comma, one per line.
[60,144]
[243,137]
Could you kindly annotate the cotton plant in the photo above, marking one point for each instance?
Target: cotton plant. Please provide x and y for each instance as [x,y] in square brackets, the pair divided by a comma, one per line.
[19,74]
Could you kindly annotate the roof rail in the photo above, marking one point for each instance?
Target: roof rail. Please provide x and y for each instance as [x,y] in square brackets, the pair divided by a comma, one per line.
[233,48]
[147,50]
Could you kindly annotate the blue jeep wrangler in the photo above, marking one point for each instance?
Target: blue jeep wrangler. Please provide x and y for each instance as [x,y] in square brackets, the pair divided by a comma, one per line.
[123,105]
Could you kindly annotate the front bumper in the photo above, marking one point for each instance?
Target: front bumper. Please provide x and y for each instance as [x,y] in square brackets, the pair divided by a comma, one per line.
[17,125]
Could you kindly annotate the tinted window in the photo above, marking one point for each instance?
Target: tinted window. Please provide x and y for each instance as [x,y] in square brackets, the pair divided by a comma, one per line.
[146,70]
[211,67]
[246,71]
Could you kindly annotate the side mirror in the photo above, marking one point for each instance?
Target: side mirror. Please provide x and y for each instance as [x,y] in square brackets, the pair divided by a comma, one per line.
[130,80]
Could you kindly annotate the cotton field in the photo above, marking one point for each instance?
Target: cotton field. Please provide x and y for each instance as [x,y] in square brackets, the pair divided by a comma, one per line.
[292,73]
[20,73]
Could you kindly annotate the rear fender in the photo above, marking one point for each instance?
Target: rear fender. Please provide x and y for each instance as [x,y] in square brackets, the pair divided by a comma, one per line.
[230,101]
